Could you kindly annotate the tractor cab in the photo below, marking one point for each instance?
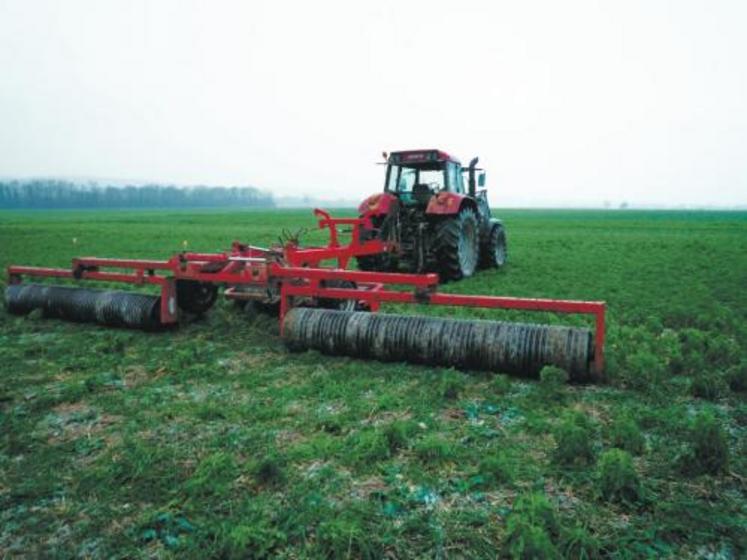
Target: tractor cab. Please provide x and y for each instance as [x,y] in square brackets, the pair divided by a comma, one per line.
[433,217]
[416,176]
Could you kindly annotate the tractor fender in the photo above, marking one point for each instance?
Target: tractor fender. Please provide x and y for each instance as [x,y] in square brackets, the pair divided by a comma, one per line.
[378,204]
[489,225]
[447,203]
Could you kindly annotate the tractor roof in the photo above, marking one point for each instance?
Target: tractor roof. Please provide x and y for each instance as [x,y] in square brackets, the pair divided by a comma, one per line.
[420,156]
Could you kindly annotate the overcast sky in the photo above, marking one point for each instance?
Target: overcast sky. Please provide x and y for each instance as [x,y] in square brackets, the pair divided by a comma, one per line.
[572,103]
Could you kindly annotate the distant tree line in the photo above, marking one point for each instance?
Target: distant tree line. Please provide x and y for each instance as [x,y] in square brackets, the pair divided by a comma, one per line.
[43,193]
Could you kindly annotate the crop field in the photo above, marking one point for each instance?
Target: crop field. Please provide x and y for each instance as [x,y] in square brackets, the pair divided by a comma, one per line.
[214,441]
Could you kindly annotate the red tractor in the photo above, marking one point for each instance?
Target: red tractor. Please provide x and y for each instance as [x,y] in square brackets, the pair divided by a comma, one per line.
[429,220]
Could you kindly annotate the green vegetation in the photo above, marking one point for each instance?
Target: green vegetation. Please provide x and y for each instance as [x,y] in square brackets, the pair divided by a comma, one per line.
[626,435]
[496,469]
[709,448]
[552,383]
[575,439]
[53,193]
[532,527]
[213,441]
[452,385]
[617,477]
[737,377]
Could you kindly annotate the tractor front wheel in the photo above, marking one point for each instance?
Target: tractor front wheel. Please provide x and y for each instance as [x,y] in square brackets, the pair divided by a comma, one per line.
[493,253]
[456,245]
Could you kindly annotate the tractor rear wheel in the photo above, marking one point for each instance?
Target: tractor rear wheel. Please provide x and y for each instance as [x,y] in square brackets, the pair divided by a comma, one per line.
[383,262]
[493,253]
[375,263]
[456,245]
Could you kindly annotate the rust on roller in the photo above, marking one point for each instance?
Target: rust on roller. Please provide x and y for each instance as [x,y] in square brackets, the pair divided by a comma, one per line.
[517,348]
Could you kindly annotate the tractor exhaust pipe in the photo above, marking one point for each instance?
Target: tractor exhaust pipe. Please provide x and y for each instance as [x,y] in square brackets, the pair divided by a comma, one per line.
[520,349]
[471,179]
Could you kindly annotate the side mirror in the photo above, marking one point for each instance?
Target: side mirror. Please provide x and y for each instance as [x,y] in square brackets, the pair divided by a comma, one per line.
[481,180]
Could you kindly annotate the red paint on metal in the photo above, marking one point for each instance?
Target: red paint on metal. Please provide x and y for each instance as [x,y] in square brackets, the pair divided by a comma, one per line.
[445,203]
[122,263]
[18,271]
[169,308]
[421,156]
[378,204]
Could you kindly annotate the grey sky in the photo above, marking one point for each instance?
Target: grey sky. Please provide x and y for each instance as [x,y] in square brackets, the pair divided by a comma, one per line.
[574,102]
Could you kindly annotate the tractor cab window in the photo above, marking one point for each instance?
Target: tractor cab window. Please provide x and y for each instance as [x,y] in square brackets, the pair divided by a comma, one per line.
[402,179]
[434,178]
[454,176]
[407,179]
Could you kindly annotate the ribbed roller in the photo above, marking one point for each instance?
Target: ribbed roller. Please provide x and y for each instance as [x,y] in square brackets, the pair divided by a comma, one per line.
[117,309]
[518,348]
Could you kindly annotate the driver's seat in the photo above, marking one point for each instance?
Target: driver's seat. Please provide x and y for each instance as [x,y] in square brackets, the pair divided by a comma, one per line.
[421,193]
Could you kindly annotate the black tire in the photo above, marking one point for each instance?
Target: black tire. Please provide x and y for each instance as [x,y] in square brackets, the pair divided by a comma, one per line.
[456,245]
[195,297]
[382,262]
[494,253]
[375,263]
[339,304]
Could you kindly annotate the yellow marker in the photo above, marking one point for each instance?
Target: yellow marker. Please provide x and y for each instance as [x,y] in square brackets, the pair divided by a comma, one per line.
[184,243]
[75,240]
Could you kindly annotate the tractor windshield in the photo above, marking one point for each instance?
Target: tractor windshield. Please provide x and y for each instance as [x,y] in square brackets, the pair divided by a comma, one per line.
[403,178]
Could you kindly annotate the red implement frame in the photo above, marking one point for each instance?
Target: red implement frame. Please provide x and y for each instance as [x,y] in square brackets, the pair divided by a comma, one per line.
[299,275]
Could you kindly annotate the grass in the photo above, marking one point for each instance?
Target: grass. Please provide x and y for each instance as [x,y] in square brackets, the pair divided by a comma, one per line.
[213,441]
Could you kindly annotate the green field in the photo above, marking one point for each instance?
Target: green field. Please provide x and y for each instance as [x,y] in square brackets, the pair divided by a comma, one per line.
[214,441]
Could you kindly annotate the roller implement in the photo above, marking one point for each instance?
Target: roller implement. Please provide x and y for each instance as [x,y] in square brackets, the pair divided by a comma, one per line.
[327,308]
[321,306]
